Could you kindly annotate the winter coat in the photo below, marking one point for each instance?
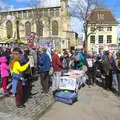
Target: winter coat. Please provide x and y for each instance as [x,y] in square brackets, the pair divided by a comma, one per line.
[108,65]
[44,62]
[4,68]
[56,63]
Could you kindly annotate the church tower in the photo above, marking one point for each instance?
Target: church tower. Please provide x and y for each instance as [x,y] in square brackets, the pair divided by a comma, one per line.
[65,23]
[65,20]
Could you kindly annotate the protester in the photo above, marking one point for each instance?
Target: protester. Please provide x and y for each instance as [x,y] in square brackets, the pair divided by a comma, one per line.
[92,68]
[65,62]
[108,65]
[4,69]
[79,60]
[44,64]
[17,78]
[117,63]
[57,67]
[32,63]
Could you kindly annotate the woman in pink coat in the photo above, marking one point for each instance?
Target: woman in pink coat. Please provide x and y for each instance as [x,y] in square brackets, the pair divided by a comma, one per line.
[4,68]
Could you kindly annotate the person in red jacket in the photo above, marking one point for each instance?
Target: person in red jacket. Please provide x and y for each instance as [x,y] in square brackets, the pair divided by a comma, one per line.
[57,67]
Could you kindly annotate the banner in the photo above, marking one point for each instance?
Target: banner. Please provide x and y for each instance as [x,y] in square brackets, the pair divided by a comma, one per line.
[31,40]
[46,44]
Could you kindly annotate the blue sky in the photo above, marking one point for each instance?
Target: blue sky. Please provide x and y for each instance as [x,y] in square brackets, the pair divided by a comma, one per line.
[76,25]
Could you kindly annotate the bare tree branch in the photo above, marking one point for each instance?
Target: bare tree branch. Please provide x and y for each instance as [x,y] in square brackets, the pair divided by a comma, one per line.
[81,9]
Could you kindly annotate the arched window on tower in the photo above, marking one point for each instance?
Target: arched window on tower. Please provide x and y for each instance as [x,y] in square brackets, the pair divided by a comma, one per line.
[27,28]
[39,28]
[55,27]
[9,29]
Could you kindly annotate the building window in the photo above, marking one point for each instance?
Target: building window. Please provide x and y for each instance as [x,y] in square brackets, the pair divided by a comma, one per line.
[109,38]
[20,14]
[52,12]
[41,12]
[24,14]
[101,39]
[14,14]
[30,14]
[92,39]
[92,29]
[57,12]
[39,28]
[46,12]
[27,28]
[100,16]
[109,28]
[55,27]
[101,28]
[9,29]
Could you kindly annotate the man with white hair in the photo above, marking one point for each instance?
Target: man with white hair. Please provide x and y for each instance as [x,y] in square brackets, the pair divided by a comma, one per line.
[57,67]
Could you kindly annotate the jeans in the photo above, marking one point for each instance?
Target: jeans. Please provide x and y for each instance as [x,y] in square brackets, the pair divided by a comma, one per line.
[114,76]
[118,77]
[56,81]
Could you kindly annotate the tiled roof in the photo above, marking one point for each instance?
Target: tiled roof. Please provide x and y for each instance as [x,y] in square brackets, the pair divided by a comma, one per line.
[102,15]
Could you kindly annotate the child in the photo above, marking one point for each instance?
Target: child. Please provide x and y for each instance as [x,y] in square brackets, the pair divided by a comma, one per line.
[4,68]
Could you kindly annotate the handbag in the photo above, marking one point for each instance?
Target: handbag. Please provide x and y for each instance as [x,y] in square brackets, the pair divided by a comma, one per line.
[51,71]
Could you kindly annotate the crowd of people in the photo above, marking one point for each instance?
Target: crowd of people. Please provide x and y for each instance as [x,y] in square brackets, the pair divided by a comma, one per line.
[18,65]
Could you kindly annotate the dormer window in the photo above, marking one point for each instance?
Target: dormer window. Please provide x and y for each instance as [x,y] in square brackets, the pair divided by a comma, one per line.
[100,16]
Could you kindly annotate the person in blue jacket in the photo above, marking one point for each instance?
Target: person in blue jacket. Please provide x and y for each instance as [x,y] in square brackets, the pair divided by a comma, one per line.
[44,64]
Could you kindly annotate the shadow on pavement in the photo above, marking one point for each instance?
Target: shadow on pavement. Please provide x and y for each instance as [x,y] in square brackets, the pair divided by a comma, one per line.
[27,94]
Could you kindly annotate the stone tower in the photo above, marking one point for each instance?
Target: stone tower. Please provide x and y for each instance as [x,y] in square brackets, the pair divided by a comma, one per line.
[65,21]
[66,31]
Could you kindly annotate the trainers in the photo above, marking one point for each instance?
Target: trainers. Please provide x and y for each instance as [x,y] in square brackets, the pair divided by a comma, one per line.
[6,93]
[21,106]
[89,86]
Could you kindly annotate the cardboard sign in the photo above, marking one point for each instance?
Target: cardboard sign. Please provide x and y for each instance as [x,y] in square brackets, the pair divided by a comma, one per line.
[67,83]
[90,62]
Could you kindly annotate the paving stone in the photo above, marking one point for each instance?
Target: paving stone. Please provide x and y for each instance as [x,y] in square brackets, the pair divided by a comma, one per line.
[34,106]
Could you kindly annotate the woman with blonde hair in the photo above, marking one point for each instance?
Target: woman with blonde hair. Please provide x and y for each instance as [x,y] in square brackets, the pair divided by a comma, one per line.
[17,78]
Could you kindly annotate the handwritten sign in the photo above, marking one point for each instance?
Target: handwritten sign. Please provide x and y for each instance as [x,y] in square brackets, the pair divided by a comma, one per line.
[67,83]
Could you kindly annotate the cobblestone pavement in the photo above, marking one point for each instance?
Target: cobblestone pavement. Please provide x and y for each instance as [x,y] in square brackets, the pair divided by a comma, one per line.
[35,105]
